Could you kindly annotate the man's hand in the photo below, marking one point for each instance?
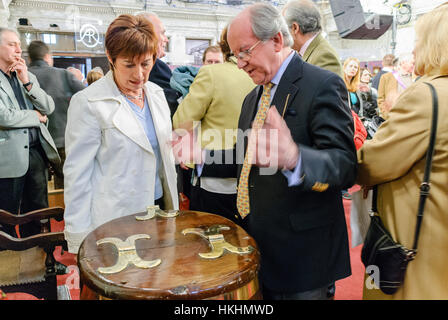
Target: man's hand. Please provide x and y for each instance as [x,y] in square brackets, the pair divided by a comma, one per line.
[42,117]
[274,144]
[20,67]
[185,147]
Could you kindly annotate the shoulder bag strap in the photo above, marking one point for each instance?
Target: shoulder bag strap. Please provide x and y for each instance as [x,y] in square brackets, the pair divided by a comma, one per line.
[425,186]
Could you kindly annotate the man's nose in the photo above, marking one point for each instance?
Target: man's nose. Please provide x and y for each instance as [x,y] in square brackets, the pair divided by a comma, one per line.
[241,63]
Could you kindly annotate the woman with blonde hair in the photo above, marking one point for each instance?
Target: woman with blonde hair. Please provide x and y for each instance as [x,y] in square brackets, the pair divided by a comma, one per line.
[352,78]
[398,178]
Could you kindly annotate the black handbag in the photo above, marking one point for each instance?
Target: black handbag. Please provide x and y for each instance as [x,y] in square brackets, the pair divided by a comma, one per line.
[380,249]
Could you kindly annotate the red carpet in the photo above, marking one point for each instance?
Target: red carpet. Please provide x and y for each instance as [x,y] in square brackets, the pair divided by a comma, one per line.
[351,288]
[346,289]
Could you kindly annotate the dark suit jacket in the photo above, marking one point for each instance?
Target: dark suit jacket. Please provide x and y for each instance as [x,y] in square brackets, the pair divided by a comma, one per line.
[301,231]
[161,75]
[61,85]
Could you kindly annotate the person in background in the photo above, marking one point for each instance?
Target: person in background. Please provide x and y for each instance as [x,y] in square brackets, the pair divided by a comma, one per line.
[61,85]
[119,160]
[351,79]
[215,99]
[388,66]
[78,74]
[94,75]
[161,72]
[368,94]
[398,175]
[392,84]
[304,22]
[212,54]
[26,145]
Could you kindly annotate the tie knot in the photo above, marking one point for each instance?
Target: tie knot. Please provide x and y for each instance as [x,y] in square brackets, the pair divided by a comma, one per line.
[267,87]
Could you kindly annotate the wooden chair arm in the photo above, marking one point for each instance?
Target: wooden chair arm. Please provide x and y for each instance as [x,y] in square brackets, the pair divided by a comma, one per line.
[43,240]
[41,214]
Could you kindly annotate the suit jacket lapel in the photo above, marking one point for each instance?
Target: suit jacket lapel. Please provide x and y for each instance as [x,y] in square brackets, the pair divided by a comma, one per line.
[6,87]
[250,108]
[287,88]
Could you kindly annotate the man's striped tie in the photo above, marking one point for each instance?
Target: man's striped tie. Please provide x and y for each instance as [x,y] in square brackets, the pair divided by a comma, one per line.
[242,200]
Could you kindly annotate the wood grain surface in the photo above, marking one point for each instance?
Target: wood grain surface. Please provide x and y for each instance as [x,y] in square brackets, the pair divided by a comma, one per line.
[182,274]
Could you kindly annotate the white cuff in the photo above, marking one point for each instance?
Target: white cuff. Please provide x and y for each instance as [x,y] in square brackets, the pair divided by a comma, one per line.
[74,240]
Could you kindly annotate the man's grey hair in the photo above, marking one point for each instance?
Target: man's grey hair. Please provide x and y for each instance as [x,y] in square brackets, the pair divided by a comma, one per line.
[2,30]
[146,14]
[267,21]
[305,14]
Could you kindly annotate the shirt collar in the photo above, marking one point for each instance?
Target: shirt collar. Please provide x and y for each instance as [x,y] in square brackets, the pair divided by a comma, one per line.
[307,44]
[11,76]
[281,70]
[39,63]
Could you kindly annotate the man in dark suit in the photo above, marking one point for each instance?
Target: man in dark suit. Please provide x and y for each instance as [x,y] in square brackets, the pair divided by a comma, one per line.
[291,200]
[61,85]
[161,73]
[388,66]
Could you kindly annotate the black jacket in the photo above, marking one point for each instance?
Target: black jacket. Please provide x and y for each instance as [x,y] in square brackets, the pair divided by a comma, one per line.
[301,231]
[61,85]
[161,75]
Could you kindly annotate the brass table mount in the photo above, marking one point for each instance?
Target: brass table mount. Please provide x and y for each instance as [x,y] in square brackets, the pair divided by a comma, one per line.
[152,211]
[127,254]
[216,241]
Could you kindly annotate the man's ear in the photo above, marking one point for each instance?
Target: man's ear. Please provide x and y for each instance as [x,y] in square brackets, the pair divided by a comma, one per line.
[48,58]
[278,41]
[295,28]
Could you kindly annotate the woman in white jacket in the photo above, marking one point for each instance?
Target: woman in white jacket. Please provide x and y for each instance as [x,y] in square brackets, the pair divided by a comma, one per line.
[119,160]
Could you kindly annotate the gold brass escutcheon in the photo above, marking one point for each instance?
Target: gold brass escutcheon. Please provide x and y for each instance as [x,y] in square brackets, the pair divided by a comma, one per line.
[152,211]
[217,241]
[320,187]
[127,254]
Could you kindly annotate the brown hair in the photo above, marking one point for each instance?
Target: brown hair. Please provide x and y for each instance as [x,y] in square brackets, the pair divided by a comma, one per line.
[130,36]
[388,60]
[362,71]
[212,49]
[37,50]
[226,52]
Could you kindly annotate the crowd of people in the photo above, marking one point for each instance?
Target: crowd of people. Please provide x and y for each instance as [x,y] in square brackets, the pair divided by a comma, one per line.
[118,143]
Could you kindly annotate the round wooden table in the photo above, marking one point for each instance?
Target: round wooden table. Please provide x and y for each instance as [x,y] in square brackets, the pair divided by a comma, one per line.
[195,255]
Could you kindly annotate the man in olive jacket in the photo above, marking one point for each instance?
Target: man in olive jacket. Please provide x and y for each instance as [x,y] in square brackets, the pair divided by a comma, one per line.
[25,143]
[304,22]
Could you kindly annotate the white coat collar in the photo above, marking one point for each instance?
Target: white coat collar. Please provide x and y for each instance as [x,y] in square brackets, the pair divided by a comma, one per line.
[108,90]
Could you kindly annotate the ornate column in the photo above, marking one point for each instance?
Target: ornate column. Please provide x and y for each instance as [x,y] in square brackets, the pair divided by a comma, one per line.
[4,12]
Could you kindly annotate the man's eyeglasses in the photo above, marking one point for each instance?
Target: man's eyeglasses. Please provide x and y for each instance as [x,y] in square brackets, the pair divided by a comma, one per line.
[246,54]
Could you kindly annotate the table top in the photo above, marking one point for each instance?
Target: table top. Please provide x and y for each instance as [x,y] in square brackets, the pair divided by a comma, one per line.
[181,273]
